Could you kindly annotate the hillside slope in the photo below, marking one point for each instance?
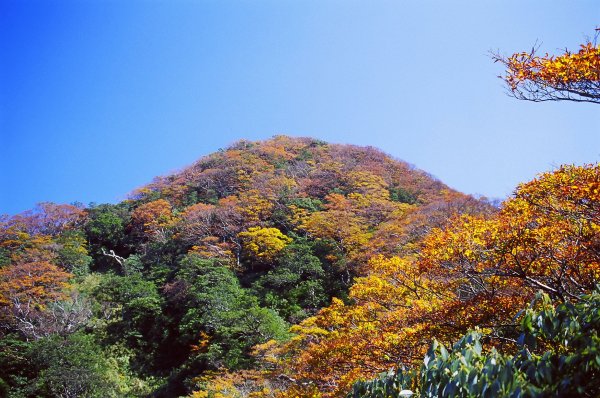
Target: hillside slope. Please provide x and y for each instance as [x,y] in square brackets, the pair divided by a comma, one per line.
[196,268]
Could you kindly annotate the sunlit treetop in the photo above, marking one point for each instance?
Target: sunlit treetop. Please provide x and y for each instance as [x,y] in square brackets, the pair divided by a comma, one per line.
[571,76]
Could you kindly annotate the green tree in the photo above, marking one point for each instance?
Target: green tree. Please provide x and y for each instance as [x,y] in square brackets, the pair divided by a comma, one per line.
[71,367]
[15,370]
[72,253]
[105,230]
[222,317]
[296,286]
[130,308]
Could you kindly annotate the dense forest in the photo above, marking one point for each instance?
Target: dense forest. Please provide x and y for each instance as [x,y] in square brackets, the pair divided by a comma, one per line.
[292,267]
[195,269]
[288,266]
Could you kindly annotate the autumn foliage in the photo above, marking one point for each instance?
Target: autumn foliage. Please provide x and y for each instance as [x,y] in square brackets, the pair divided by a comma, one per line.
[477,271]
[284,268]
[573,76]
[263,244]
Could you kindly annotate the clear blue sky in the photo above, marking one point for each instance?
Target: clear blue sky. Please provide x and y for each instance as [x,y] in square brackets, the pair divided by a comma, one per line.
[98,97]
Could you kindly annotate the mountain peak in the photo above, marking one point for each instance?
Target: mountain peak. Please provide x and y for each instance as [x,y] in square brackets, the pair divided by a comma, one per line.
[309,166]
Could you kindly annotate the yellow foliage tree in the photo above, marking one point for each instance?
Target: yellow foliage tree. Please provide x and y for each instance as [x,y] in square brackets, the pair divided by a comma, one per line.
[339,224]
[546,237]
[572,76]
[263,244]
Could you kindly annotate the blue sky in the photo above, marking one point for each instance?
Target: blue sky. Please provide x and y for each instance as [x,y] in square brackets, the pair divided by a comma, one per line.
[98,97]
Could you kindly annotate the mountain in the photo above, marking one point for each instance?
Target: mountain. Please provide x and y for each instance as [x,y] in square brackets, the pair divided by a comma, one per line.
[289,267]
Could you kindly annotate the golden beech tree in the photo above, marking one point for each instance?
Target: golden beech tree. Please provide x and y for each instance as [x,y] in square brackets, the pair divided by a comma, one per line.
[24,247]
[367,184]
[547,237]
[340,225]
[243,383]
[572,76]
[254,207]
[263,244]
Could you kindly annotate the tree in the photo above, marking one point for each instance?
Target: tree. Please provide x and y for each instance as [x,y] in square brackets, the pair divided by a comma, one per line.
[263,244]
[105,225]
[72,252]
[26,290]
[196,223]
[296,286]
[15,368]
[239,384]
[153,220]
[71,367]
[571,76]
[47,218]
[222,320]
[77,366]
[546,237]
[129,308]
[339,225]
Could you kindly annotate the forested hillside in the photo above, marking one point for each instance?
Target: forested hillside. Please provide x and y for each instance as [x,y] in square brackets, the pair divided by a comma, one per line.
[296,268]
[164,292]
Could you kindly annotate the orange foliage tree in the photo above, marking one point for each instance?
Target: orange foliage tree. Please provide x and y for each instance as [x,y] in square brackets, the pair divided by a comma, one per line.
[572,76]
[47,218]
[340,225]
[153,219]
[42,246]
[546,237]
[26,289]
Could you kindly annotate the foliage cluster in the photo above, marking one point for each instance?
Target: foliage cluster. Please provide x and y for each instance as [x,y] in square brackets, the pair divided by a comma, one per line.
[572,76]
